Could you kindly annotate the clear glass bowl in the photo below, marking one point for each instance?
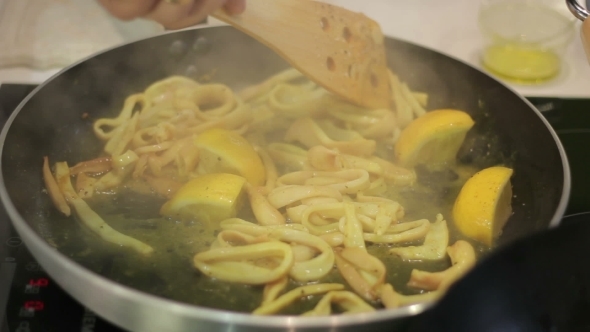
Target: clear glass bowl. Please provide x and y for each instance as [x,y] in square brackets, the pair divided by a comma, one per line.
[524,39]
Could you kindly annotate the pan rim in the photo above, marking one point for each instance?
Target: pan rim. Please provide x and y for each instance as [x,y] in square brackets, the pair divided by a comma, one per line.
[102,285]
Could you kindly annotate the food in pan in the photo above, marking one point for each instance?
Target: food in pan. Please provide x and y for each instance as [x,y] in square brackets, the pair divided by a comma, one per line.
[286,199]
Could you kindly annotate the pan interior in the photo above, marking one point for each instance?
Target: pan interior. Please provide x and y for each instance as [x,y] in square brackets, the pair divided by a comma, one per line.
[57,122]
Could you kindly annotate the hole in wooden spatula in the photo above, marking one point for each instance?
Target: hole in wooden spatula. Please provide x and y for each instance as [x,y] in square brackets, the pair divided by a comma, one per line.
[346,34]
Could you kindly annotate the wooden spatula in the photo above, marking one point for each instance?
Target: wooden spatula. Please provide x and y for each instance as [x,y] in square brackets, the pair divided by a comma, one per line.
[340,50]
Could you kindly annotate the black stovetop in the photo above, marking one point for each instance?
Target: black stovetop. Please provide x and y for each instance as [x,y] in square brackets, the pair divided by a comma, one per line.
[30,301]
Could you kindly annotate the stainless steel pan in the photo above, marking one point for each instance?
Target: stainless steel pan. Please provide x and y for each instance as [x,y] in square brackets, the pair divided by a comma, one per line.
[50,122]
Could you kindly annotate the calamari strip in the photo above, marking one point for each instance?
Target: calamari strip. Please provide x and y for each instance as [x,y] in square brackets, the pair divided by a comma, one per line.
[168,87]
[402,232]
[293,295]
[329,210]
[269,167]
[295,213]
[285,195]
[320,200]
[463,259]
[145,149]
[183,154]
[308,270]
[255,91]
[383,219]
[58,199]
[378,216]
[403,110]
[157,126]
[85,185]
[334,239]
[140,166]
[98,165]
[434,247]
[363,272]
[311,133]
[273,289]
[325,159]
[352,229]
[171,111]
[123,165]
[123,135]
[220,96]
[348,301]
[235,264]
[296,100]
[238,121]
[377,187]
[412,101]
[265,213]
[421,98]
[302,252]
[231,238]
[247,227]
[187,158]
[160,123]
[113,124]
[316,267]
[265,121]
[392,299]
[289,155]
[349,181]
[369,123]
[395,175]
[90,218]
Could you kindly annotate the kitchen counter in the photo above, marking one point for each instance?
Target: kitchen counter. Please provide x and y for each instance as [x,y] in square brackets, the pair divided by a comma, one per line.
[449,27]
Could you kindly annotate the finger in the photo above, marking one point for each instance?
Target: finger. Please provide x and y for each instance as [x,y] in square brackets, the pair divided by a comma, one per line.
[235,7]
[177,16]
[129,9]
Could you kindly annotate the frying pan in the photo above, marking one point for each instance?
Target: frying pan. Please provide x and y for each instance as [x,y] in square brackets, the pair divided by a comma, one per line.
[54,120]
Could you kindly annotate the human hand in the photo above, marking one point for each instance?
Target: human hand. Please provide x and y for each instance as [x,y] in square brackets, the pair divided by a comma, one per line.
[172,14]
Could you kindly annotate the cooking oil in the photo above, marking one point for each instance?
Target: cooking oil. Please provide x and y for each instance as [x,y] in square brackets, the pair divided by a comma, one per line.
[522,63]
[525,39]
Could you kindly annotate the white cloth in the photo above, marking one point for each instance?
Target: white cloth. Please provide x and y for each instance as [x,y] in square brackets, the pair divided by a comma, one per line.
[45,34]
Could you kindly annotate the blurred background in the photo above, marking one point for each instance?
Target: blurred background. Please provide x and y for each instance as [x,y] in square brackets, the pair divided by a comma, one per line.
[40,37]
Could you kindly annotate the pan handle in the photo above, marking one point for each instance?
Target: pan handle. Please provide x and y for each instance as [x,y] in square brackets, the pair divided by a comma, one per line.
[582,14]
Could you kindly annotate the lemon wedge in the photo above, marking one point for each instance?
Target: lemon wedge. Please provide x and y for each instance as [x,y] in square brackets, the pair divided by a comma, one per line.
[208,198]
[223,151]
[484,204]
[433,138]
